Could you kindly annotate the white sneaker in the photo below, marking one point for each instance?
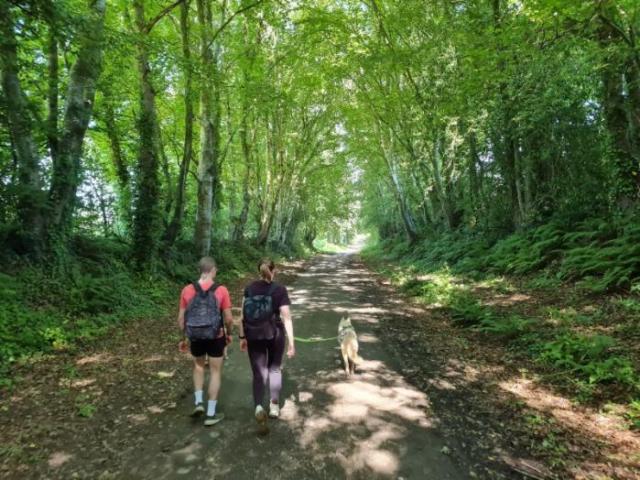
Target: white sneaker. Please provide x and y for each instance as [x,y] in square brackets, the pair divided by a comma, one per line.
[261,415]
[274,410]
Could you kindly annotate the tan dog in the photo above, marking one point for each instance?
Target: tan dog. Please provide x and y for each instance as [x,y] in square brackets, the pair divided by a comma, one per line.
[348,341]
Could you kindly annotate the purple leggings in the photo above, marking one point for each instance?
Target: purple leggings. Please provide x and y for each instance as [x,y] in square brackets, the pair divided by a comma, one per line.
[266,361]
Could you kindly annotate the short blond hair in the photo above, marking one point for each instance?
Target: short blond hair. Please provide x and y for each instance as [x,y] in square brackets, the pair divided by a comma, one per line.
[207,264]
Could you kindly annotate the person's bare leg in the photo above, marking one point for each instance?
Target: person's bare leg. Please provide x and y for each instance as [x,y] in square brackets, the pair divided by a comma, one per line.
[198,384]
[215,378]
[198,372]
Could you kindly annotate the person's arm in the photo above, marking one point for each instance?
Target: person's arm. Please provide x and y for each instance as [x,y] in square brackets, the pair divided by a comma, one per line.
[243,341]
[227,315]
[181,319]
[285,314]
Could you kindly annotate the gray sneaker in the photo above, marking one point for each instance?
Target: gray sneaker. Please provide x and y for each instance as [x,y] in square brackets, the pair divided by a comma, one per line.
[210,421]
[198,411]
[261,415]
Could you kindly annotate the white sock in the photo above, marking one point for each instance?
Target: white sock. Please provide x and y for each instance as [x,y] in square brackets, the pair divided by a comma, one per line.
[198,395]
[211,408]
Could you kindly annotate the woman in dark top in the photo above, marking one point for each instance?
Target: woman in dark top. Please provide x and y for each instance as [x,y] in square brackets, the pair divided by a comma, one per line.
[265,354]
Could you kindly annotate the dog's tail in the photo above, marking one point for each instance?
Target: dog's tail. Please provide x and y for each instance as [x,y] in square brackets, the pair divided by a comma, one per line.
[354,356]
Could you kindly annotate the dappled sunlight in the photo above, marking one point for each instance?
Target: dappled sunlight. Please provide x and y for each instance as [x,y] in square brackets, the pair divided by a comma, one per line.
[364,416]
[154,359]
[368,338]
[609,430]
[85,382]
[361,310]
[96,358]
[138,418]
[57,459]
[506,300]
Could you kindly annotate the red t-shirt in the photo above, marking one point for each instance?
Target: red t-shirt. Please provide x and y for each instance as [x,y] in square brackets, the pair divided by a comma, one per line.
[221,294]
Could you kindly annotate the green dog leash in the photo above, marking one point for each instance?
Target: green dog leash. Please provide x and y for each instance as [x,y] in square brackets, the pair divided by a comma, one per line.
[313,339]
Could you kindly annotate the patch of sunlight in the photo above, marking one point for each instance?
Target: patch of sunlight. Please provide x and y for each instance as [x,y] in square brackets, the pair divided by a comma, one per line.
[138,418]
[442,384]
[163,374]
[347,288]
[354,401]
[57,459]
[587,422]
[188,450]
[290,410]
[313,427]
[368,338]
[361,310]
[83,382]
[305,396]
[154,358]
[369,454]
[96,358]
[527,467]
[508,300]
[155,409]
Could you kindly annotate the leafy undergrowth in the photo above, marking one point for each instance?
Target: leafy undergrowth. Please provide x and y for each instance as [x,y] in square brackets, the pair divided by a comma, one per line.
[598,255]
[583,343]
[45,310]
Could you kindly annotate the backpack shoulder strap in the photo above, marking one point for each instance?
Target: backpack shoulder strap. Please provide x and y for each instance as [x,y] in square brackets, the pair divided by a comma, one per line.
[272,288]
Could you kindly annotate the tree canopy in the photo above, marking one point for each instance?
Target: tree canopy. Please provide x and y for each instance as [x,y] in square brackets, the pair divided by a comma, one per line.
[281,122]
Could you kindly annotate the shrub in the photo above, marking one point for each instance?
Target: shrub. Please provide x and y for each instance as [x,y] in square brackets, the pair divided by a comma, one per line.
[509,327]
[590,357]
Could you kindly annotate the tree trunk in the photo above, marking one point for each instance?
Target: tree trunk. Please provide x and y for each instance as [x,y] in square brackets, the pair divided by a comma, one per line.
[210,129]
[441,188]
[187,151]
[407,218]
[618,118]
[52,116]
[29,194]
[508,163]
[146,213]
[267,219]
[78,110]
[238,233]
[119,160]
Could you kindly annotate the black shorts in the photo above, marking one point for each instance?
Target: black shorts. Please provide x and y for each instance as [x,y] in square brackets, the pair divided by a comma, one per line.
[213,348]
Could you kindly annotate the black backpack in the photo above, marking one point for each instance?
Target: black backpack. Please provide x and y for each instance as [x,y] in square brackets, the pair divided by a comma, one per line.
[203,319]
[258,317]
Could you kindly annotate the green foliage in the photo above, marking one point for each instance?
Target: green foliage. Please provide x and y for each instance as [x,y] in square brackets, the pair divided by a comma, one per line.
[468,311]
[595,253]
[633,414]
[526,252]
[511,327]
[586,361]
[86,410]
[42,311]
[588,357]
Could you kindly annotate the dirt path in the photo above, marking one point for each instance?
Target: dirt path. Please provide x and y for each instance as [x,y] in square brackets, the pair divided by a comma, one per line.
[373,425]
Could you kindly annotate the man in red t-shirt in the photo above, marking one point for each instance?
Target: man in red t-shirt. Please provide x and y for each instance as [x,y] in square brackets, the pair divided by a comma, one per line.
[213,348]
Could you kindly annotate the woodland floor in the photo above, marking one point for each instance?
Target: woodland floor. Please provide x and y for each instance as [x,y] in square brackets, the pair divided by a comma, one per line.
[429,401]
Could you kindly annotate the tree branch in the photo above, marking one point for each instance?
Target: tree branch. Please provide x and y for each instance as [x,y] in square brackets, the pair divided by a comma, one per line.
[228,20]
[152,23]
